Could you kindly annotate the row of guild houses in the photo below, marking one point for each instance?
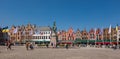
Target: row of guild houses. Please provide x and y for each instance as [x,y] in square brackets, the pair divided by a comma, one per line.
[45,34]
[33,33]
[70,35]
[38,34]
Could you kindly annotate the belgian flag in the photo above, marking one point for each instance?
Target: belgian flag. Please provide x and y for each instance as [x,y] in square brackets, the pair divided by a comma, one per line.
[117,27]
[5,29]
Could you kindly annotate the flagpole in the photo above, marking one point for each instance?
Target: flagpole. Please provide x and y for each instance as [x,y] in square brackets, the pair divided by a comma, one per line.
[117,36]
[102,35]
[117,39]
[95,37]
[110,39]
[110,30]
[102,39]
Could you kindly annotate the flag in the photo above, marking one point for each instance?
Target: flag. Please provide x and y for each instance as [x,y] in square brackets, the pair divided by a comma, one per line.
[95,31]
[109,29]
[37,31]
[101,32]
[117,27]
[31,32]
[23,33]
[41,33]
[15,30]
[5,29]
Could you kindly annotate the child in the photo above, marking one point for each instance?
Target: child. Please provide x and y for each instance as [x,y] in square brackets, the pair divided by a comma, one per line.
[31,46]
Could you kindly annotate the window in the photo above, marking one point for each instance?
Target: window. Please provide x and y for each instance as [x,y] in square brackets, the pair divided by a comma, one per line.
[49,32]
[32,37]
[46,37]
[35,37]
[18,33]
[38,37]
[49,37]
[42,37]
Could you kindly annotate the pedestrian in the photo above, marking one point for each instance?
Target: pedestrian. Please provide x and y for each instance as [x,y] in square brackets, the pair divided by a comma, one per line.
[52,45]
[73,45]
[66,46]
[27,45]
[9,45]
[47,45]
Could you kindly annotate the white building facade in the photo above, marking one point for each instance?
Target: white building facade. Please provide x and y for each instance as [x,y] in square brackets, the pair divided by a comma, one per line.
[118,35]
[41,35]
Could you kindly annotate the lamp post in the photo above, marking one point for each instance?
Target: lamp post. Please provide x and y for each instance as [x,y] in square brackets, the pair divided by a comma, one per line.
[118,38]
[43,39]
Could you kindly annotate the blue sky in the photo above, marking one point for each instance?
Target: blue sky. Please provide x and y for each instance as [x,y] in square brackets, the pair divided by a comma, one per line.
[67,13]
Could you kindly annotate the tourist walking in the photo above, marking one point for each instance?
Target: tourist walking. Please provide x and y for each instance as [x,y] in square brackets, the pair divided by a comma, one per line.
[114,47]
[66,46]
[47,45]
[9,45]
[27,45]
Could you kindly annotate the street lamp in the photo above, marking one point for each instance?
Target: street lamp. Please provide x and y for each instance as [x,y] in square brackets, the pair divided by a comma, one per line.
[44,40]
[118,35]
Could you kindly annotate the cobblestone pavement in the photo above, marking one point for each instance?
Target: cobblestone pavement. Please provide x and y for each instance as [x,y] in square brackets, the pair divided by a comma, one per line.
[19,52]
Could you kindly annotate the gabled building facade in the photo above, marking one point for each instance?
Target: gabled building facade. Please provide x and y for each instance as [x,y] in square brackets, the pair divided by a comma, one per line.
[21,33]
[84,34]
[78,34]
[42,35]
[91,34]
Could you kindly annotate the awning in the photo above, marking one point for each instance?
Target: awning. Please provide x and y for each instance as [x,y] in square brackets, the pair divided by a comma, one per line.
[65,41]
[99,43]
[81,41]
[40,40]
[91,41]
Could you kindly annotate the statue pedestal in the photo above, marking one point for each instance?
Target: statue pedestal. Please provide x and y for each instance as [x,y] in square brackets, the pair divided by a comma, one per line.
[53,40]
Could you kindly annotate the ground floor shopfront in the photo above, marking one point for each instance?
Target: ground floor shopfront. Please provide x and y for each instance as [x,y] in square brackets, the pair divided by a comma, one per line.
[41,41]
[96,42]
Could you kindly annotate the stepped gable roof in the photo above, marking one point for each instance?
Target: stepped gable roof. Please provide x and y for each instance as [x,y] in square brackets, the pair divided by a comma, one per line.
[78,30]
[92,30]
[43,28]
